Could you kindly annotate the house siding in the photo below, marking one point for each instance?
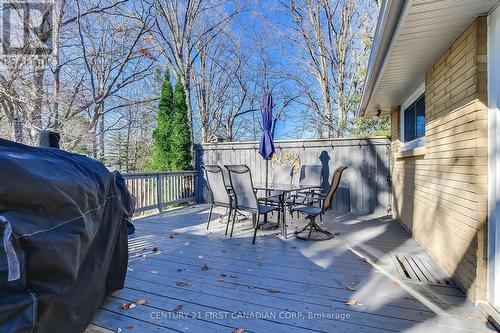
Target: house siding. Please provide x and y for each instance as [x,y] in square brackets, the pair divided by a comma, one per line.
[440,191]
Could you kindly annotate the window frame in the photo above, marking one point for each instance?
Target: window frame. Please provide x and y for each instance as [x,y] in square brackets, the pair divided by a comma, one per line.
[418,142]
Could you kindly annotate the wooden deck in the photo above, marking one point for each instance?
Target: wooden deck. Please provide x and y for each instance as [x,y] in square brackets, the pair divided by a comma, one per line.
[194,280]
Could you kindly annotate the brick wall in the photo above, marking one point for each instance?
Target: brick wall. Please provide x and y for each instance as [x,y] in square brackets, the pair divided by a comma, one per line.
[440,191]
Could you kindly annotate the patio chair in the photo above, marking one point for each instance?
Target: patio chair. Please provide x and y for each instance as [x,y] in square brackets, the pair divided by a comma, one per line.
[282,175]
[310,175]
[245,198]
[312,212]
[218,191]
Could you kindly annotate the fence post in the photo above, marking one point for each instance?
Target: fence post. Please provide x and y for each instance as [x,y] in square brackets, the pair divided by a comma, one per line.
[196,184]
[158,192]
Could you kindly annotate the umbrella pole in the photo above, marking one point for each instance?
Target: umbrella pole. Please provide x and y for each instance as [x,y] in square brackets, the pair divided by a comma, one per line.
[267,172]
[267,192]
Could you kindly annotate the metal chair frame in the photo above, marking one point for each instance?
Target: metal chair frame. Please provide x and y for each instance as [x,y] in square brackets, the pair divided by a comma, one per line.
[312,212]
[256,209]
[215,169]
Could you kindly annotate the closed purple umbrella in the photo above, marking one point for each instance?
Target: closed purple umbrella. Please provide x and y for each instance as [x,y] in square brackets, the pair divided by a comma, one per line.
[266,147]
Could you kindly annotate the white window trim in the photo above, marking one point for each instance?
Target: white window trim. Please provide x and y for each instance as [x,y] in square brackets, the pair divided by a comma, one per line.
[419,142]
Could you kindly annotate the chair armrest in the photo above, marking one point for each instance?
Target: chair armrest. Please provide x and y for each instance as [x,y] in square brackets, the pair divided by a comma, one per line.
[302,198]
[274,196]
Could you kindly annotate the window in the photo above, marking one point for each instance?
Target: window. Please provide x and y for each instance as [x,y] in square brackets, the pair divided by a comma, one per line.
[413,120]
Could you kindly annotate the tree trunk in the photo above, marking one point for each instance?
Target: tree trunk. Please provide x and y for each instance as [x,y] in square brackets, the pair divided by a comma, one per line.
[187,93]
[36,112]
[229,129]
[127,146]
[94,141]
[101,133]
[327,110]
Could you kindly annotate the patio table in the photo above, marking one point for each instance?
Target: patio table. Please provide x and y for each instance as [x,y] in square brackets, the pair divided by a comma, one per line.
[282,191]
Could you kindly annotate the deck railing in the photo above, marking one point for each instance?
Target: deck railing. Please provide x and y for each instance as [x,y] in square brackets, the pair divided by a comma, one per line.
[156,190]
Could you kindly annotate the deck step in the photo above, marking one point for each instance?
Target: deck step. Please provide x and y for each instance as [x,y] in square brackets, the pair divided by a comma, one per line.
[420,269]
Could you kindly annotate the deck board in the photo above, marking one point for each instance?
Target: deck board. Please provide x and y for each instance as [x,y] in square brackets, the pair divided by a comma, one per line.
[277,285]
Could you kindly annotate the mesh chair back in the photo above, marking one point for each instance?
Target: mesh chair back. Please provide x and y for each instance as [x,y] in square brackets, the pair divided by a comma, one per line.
[310,175]
[216,185]
[282,175]
[333,187]
[226,177]
[242,186]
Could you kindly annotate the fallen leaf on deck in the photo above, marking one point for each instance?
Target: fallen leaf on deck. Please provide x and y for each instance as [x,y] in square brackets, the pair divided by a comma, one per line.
[204,267]
[155,272]
[352,301]
[126,306]
[350,288]
[272,290]
[180,284]
[178,308]
[155,249]
[239,330]
[130,326]
[141,301]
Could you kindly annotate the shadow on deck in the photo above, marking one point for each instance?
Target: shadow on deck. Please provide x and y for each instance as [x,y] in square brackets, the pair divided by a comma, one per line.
[194,280]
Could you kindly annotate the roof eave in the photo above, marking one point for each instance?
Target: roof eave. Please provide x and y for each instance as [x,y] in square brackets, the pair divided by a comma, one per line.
[387,24]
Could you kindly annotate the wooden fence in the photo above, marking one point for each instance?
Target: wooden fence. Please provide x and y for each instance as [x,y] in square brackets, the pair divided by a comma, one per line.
[365,186]
[157,190]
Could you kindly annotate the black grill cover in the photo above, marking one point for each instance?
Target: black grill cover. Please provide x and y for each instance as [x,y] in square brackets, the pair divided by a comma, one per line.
[63,238]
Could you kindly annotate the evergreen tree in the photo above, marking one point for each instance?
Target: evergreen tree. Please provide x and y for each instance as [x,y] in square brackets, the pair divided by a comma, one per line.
[162,157]
[181,139]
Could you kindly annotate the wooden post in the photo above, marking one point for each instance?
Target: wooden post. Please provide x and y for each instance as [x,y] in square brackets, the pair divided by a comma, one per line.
[158,192]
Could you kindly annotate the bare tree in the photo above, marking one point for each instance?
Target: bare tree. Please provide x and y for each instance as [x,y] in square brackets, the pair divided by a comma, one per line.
[115,55]
[331,37]
[182,29]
